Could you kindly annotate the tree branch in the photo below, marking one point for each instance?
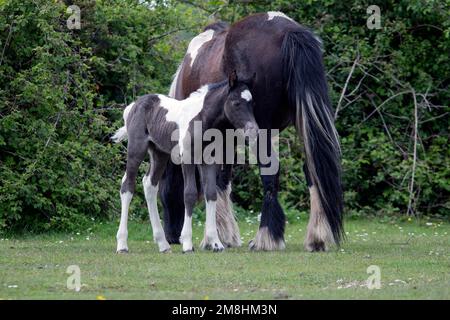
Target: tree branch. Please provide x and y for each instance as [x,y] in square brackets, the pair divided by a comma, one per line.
[346,85]
[410,210]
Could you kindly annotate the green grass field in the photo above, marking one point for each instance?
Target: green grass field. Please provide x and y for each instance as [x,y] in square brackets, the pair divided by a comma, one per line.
[413,258]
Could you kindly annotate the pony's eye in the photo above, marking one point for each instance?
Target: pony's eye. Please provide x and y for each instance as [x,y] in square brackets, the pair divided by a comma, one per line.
[235,103]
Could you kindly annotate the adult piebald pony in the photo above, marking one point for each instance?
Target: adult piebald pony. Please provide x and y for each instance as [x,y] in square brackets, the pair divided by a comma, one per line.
[290,88]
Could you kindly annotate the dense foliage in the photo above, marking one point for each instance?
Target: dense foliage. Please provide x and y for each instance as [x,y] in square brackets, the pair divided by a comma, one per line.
[62,91]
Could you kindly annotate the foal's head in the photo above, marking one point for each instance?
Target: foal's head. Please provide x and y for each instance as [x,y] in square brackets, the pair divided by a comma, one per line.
[239,105]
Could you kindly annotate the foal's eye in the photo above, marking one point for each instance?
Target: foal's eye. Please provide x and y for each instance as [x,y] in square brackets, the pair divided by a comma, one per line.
[235,103]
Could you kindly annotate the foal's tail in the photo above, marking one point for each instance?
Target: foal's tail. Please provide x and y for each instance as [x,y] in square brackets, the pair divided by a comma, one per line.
[307,89]
[121,134]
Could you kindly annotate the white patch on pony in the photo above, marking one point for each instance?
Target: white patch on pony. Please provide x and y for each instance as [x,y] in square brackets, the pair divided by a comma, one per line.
[319,233]
[227,227]
[182,112]
[122,233]
[273,14]
[246,95]
[197,43]
[173,85]
[151,193]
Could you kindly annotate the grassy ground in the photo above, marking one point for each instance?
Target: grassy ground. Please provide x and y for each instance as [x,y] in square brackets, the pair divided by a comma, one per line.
[414,259]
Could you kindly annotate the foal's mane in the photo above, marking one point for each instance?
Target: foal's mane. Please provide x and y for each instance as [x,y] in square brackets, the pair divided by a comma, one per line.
[203,90]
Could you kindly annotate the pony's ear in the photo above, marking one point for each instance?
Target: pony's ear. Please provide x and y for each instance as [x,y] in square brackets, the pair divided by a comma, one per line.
[232,79]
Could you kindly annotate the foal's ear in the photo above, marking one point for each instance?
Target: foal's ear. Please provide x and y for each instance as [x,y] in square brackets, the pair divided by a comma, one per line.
[232,79]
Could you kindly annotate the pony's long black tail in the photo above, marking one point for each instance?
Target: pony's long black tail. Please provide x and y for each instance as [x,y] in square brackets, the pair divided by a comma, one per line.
[307,89]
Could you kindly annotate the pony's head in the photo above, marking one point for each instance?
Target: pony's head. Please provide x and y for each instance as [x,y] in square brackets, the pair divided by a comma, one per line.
[239,105]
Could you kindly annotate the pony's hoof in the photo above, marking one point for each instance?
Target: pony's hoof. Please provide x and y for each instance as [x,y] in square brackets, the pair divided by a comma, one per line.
[122,251]
[166,251]
[188,251]
[265,242]
[316,246]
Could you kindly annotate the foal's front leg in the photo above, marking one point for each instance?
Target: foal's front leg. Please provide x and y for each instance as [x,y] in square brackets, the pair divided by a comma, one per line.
[211,239]
[190,198]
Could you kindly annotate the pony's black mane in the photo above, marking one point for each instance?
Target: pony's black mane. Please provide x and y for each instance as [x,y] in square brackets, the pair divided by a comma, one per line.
[217,26]
[217,85]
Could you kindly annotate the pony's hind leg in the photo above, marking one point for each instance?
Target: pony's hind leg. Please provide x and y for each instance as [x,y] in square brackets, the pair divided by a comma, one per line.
[158,162]
[135,155]
[211,240]
[318,234]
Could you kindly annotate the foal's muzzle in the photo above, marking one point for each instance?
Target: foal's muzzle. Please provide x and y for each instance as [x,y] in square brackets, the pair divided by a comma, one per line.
[251,130]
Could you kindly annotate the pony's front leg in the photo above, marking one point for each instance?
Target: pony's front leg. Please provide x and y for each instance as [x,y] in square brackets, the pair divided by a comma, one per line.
[270,235]
[190,198]
[211,239]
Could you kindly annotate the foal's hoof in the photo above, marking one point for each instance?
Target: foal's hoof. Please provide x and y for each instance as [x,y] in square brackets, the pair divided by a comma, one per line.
[214,246]
[217,248]
[168,250]
[189,251]
[122,251]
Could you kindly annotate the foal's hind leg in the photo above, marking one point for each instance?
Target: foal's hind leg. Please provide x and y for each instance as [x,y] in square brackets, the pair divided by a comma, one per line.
[158,162]
[135,155]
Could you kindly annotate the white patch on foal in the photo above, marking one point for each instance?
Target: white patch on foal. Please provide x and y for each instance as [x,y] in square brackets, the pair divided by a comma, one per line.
[273,14]
[197,43]
[126,112]
[121,134]
[151,193]
[182,112]
[186,234]
[211,240]
[122,233]
[246,95]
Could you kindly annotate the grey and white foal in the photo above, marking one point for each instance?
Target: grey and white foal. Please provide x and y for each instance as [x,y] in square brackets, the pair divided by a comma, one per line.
[150,123]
